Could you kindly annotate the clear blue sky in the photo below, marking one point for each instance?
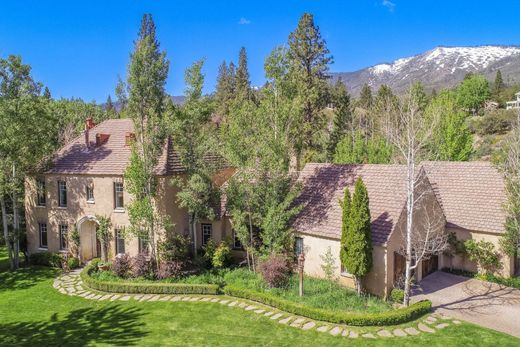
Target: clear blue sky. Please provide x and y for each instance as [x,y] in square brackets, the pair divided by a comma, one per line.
[78,48]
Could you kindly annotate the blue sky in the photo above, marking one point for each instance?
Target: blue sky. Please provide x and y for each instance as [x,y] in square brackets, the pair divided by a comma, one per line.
[78,48]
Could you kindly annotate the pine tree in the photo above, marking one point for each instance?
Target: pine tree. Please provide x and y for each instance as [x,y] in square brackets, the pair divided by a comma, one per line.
[345,222]
[365,97]
[498,87]
[358,258]
[225,89]
[109,105]
[146,80]
[342,116]
[243,85]
[47,93]
[309,61]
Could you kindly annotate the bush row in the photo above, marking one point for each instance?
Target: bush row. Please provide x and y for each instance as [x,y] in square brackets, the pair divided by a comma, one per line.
[393,317]
[52,259]
[143,288]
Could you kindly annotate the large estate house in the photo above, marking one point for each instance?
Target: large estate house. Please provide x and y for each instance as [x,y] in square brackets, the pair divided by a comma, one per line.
[85,180]
[465,198]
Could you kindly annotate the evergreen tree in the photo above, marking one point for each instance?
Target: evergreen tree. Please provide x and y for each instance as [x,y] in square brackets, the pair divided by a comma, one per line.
[358,257]
[109,106]
[345,223]
[47,93]
[357,148]
[225,89]
[419,94]
[146,80]
[342,116]
[309,61]
[498,86]
[365,97]
[243,85]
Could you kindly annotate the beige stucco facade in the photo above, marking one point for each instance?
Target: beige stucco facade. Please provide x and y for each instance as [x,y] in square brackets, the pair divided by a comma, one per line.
[81,213]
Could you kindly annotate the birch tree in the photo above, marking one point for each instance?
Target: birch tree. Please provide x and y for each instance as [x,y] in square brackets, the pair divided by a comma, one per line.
[409,130]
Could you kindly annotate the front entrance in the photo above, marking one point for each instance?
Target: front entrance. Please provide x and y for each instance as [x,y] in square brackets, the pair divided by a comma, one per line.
[87,239]
[430,266]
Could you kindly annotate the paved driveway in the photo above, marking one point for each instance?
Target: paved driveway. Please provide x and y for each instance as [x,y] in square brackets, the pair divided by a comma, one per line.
[482,303]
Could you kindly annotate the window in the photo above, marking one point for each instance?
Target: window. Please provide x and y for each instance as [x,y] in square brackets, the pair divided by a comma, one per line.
[40,192]
[64,230]
[42,227]
[62,194]
[90,193]
[206,233]
[298,245]
[236,242]
[120,242]
[118,196]
[143,245]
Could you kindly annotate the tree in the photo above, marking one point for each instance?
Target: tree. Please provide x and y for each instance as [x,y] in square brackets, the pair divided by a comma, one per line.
[109,105]
[309,60]
[225,90]
[243,85]
[472,93]
[409,131]
[345,223]
[499,85]
[191,129]
[357,148]
[104,235]
[452,139]
[329,266]
[47,93]
[365,97]
[357,258]
[24,147]
[146,79]
[342,117]
[508,163]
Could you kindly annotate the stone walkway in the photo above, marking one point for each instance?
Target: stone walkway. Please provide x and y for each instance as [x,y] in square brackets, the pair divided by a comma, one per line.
[71,284]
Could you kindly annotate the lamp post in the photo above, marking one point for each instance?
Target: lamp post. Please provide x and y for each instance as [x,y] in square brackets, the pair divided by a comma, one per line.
[301,260]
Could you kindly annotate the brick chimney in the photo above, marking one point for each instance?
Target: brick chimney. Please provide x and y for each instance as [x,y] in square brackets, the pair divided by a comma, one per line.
[89,124]
[101,139]
[129,138]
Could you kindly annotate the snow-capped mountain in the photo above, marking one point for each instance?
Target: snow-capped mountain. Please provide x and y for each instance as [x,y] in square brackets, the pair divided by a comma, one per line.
[438,68]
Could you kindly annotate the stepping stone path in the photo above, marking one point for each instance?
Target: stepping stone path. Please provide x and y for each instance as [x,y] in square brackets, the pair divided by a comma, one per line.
[71,284]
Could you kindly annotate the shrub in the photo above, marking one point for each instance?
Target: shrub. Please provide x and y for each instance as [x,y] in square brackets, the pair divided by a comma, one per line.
[222,256]
[141,266]
[51,259]
[174,247]
[209,251]
[142,288]
[122,265]
[392,317]
[73,263]
[484,254]
[397,295]
[275,270]
[170,268]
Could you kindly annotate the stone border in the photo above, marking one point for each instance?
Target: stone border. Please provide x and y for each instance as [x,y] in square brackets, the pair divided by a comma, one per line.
[71,284]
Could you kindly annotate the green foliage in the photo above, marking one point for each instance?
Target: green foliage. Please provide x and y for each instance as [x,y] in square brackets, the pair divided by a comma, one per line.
[356,148]
[345,222]
[143,288]
[52,259]
[484,254]
[342,116]
[472,93]
[173,247]
[452,139]
[222,256]
[358,254]
[328,265]
[243,87]
[499,85]
[498,121]
[73,262]
[225,89]
[393,317]
[366,99]
[104,234]
[397,295]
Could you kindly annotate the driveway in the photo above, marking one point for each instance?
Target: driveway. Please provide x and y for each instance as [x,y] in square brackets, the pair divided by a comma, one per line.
[483,303]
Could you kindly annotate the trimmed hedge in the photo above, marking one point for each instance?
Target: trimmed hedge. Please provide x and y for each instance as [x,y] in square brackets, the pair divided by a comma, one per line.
[393,317]
[143,288]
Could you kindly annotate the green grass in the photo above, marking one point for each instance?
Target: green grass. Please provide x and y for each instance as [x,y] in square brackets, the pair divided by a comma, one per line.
[319,293]
[35,314]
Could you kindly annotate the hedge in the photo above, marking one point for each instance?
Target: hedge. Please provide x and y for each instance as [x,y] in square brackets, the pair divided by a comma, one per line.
[143,288]
[393,317]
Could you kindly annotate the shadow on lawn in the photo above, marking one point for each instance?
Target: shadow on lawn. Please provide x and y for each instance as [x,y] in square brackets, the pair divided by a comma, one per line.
[24,278]
[111,324]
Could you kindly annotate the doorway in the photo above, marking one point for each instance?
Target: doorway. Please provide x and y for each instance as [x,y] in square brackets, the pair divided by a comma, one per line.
[429,266]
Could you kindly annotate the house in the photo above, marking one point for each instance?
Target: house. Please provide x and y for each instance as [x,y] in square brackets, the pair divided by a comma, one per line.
[85,180]
[514,104]
[463,197]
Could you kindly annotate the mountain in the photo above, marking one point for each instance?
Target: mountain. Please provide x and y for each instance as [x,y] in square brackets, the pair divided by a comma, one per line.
[438,68]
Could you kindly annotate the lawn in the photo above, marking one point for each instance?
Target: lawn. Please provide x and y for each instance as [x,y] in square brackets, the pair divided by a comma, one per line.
[319,293]
[35,314]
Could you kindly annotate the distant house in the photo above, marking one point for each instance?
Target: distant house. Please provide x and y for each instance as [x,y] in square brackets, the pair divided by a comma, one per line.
[86,180]
[467,197]
[514,104]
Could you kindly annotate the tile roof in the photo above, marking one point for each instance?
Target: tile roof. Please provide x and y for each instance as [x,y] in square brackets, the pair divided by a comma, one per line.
[323,187]
[471,194]
[111,158]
